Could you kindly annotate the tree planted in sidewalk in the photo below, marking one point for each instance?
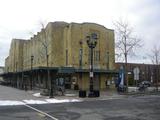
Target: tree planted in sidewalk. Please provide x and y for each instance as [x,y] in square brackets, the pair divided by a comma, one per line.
[155,59]
[126,42]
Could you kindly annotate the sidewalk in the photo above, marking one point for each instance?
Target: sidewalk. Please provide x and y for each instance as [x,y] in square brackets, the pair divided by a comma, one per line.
[10,93]
[14,96]
[104,95]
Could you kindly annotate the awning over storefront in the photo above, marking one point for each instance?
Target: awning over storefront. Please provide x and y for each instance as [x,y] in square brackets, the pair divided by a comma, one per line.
[63,70]
[97,71]
[67,70]
[6,74]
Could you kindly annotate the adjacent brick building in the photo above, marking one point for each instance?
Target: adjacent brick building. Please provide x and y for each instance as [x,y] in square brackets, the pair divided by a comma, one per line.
[148,72]
[1,72]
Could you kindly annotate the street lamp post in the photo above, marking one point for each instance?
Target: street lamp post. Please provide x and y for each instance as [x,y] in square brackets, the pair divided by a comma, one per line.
[32,57]
[91,42]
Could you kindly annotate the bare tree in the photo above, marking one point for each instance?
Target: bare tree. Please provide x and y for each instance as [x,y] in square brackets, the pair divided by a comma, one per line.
[155,55]
[44,54]
[155,58]
[45,43]
[45,47]
[126,42]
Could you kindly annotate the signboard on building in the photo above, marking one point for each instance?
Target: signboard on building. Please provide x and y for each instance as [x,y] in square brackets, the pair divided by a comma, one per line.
[121,76]
[91,74]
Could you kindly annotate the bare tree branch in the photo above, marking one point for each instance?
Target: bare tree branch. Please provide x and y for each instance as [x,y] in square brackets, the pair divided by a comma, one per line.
[155,55]
[126,42]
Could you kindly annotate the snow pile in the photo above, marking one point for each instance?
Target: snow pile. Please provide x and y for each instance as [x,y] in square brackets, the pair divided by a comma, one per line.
[132,89]
[37,95]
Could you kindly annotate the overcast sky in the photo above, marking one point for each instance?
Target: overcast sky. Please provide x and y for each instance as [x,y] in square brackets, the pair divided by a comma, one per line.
[20,17]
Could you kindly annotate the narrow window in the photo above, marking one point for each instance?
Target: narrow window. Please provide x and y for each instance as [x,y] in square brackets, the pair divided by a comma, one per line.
[107,60]
[80,57]
[66,57]
[97,55]
[89,56]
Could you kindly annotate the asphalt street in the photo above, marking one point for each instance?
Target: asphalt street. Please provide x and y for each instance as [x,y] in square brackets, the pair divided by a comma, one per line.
[130,108]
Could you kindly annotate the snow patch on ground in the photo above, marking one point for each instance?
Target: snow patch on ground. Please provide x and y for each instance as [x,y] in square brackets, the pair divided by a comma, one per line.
[56,100]
[9,102]
[132,89]
[70,95]
[46,101]
[35,102]
[62,100]
[37,95]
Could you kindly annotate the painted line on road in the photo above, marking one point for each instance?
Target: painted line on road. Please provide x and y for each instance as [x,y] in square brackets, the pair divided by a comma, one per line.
[53,118]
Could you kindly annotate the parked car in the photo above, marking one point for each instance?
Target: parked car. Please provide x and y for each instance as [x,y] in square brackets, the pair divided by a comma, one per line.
[145,84]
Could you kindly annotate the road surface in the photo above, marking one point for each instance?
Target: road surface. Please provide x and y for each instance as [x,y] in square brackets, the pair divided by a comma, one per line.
[131,108]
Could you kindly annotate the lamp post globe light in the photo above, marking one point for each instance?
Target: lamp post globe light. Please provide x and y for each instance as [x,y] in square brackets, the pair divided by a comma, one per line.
[91,42]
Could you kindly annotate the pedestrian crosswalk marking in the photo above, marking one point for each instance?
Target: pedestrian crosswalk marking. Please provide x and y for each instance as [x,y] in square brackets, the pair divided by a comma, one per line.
[39,111]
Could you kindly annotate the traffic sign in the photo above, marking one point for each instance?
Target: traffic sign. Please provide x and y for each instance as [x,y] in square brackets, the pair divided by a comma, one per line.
[136,73]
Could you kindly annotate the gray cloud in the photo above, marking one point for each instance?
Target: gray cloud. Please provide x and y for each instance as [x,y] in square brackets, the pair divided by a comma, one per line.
[17,23]
[148,24]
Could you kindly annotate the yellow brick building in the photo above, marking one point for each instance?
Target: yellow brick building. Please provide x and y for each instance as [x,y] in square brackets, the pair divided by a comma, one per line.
[64,46]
